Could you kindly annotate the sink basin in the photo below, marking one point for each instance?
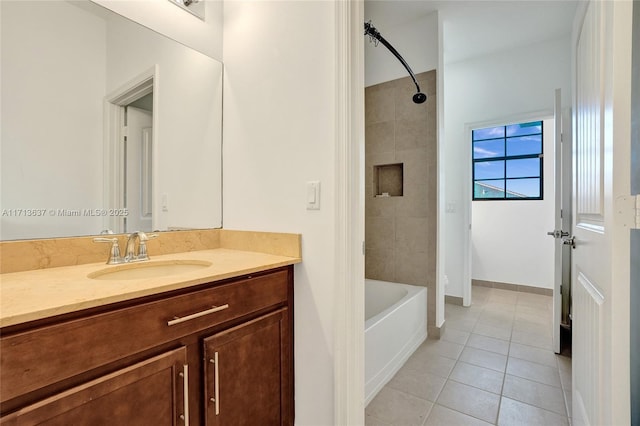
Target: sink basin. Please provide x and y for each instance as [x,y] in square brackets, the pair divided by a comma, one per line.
[136,271]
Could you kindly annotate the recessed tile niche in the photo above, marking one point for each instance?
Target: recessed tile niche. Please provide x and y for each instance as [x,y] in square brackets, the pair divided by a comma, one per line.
[387,180]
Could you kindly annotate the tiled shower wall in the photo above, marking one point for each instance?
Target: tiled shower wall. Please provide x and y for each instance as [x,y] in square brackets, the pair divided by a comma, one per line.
[400,231]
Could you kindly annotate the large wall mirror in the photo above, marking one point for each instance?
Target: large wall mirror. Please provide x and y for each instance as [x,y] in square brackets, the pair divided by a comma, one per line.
[106,125]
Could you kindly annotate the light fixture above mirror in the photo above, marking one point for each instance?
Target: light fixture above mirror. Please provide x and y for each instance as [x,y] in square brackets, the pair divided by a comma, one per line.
[195,7]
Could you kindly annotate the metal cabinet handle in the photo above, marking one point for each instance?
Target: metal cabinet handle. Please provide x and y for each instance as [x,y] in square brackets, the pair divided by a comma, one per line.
[178,320]
[216,383]
[185,383]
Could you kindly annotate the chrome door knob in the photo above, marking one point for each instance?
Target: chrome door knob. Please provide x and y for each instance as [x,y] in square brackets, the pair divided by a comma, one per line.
[558,233]
[571,241]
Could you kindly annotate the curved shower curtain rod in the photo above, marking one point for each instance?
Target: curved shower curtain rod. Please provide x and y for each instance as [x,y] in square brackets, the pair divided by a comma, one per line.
[372,32]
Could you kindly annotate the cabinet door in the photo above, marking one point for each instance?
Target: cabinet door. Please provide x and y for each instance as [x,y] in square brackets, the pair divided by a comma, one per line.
[147,393]
[247,373]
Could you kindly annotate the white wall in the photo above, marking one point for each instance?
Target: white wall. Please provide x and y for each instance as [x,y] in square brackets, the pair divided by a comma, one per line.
[168,19]
[40,42]
[490,88]
[279,132]
[416,41]
[509,238]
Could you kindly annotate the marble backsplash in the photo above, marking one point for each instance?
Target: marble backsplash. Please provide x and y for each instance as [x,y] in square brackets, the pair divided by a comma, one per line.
[26,255]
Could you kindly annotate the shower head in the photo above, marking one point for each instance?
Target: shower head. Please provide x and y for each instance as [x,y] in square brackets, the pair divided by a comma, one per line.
[373,33]
[419,98]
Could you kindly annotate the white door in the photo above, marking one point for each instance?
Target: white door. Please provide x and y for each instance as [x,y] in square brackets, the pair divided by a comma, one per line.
[600,261]
[138,180]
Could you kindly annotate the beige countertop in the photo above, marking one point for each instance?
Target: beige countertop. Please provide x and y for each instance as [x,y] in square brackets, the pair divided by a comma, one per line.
[36,294]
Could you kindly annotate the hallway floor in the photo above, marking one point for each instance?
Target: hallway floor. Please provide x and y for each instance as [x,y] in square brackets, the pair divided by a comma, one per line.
[493,365]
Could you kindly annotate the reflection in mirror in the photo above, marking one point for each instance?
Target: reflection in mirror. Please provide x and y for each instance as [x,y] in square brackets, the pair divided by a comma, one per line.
[105,125]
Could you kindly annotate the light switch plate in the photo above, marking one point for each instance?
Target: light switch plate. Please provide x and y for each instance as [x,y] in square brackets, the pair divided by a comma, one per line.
[313,195]
[165,202]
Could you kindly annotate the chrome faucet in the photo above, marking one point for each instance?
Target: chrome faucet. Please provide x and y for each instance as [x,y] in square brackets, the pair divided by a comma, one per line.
[130,252]
[131,255]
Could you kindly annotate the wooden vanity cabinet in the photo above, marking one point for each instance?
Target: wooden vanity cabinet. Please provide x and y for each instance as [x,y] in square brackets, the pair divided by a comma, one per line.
[149,361]
[246,373]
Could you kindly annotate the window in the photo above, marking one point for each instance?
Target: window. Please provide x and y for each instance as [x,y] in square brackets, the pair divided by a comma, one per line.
[507,162]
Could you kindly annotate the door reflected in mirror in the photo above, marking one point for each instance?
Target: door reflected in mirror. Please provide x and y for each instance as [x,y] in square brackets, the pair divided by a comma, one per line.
[105,125]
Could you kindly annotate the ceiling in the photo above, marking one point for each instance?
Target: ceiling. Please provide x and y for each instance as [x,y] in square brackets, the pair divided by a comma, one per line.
[479,27]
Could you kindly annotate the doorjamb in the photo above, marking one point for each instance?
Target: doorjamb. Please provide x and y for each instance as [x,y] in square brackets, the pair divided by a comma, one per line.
[348,327]
[467,203]
[114,119]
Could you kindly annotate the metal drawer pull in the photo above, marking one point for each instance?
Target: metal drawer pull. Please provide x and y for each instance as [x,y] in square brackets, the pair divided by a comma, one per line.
[178,320]
[216,383]
[185,402]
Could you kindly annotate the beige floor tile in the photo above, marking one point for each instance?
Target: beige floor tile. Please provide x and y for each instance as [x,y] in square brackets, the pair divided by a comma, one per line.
[532,318]
[442,348]
[492,331]
[533,354]
[462,324]
[455,336]
[532,371]
[374,421]
[488,344]
[490,315]
[503,296]
[423,385]
[499,322]
[443,416]
[536,394]
[532,327]
[515,413]
[484,359]
[428,363]
[469,400]
[461,312]
[478,301]
[524,297]
[507,308]
[478,377]
[543,341]
[535,301]
[542,310]
[478,290]
[398,408]
[450,308]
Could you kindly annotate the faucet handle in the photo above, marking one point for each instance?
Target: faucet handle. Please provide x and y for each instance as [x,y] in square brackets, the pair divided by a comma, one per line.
[114,255]
[146,237]
[142,247]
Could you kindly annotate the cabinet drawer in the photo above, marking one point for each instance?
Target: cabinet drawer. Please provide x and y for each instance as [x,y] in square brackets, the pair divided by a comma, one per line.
[151,392]
[43,356]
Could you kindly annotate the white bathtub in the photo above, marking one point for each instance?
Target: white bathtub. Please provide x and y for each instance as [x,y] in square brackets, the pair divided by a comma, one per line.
[395,325]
